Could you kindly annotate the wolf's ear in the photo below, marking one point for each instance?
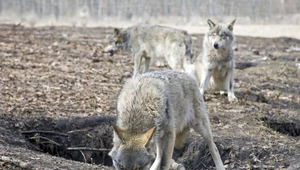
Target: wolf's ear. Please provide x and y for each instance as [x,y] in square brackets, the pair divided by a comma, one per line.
[116,31]
[230,25]
[118,135]
[146,137]
[211,24]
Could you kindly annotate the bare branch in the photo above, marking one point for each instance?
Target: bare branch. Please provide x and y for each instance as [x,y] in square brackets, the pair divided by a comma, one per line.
[45,132]
[88,149]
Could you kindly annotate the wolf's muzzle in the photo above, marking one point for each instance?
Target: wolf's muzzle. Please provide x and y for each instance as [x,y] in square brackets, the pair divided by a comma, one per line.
[216,45]
[110,49]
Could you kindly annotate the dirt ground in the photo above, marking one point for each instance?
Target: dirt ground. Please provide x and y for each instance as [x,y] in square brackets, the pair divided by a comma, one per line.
[58,101]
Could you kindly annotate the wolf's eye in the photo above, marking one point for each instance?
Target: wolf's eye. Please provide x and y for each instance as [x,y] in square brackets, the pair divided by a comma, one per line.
[224,35]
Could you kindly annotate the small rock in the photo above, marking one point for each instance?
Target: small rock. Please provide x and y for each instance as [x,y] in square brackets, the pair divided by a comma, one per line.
[96,60]
[19,125]
[252,98]
[298,65]
[255,51]
[254,89]
[118,64]
[64,35]
[264,58]
[271,56]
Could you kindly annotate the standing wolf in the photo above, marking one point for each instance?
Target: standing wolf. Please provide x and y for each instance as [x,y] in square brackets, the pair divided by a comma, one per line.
[155,112]
[153,41]
[215,67]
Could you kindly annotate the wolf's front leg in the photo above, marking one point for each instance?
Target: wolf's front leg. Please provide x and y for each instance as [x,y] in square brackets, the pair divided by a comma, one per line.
[169,142]
[159,152]
[147,63]
[231,96]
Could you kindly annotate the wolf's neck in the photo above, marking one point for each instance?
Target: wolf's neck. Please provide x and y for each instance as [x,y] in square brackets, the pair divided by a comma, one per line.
[223,51]
[221,54]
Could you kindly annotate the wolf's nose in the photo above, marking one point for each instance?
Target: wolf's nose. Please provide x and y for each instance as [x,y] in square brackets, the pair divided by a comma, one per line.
[216,45]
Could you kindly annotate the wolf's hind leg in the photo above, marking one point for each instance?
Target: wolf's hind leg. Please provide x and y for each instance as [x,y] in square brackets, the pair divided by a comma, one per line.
[137,62]
[201,125]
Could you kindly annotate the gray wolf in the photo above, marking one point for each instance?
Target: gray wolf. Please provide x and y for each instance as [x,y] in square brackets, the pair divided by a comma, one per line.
[155,112]
[152,41]
[215,67]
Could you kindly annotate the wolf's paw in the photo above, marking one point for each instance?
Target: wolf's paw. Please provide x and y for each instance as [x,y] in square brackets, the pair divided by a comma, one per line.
[176,166]
[233,99]
[160,64]
[180,167]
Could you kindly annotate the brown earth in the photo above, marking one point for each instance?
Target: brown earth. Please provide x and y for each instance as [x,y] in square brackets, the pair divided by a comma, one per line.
[58,95]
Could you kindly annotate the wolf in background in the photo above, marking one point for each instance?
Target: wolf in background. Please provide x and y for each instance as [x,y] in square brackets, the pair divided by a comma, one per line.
[152,41]
[155,112]
[214,67]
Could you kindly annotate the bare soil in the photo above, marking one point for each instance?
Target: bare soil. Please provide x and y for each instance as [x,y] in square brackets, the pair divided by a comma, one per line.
[58,97]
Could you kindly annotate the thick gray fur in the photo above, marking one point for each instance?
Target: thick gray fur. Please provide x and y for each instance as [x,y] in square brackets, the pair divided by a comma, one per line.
[155,112]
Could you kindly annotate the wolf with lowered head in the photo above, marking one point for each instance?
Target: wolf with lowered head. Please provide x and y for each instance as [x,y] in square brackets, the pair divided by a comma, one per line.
[155,112]
[153,42]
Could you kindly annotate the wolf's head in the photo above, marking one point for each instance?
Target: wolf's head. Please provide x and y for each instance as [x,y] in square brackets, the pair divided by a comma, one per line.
[220,35]
[115,41]
[132,151]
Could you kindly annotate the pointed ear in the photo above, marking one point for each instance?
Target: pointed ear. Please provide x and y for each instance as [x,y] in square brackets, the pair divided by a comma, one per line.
[116,31]
[211,24]
[118,135]
[230,25]
[146,137]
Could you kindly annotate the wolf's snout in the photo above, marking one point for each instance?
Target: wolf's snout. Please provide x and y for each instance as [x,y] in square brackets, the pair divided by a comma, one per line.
[216,45]
[110,49]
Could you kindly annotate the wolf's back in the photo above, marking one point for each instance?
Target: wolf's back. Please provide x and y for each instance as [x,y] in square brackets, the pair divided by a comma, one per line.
[151,34]
[156,98]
